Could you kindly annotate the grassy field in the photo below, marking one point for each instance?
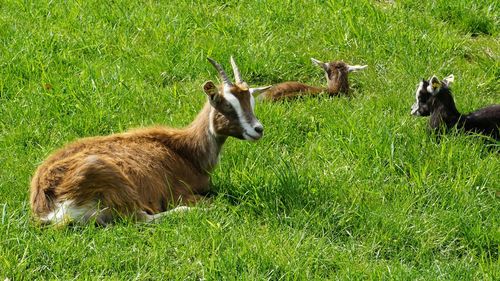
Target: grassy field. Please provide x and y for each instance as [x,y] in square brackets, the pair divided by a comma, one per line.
[343,188]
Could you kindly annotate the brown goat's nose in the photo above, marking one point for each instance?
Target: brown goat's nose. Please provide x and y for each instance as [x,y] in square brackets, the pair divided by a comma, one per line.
[259,129]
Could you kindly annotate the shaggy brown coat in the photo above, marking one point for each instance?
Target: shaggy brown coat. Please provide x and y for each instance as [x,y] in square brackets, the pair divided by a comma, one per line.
[144,171]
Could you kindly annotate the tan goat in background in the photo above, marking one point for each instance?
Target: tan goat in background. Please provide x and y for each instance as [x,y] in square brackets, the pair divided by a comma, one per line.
[337,76]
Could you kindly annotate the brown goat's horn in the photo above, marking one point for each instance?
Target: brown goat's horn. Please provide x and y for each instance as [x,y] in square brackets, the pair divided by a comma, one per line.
[221,71]
[236,71]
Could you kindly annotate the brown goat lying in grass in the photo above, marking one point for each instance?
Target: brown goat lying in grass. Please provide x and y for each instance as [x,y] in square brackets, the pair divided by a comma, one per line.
[144,173]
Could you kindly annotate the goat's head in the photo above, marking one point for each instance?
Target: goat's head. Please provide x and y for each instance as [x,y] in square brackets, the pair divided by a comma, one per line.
[234,105]
[426,90]
[336,72]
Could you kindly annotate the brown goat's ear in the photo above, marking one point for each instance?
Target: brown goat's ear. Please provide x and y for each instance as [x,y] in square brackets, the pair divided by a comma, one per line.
[434,85]
[211,90]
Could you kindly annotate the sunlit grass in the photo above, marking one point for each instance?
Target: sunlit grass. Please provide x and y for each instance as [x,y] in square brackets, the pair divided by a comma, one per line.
[346,188]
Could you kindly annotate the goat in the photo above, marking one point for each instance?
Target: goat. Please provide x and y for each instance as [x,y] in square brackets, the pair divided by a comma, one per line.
[143,173]
[336,73]
[434,99]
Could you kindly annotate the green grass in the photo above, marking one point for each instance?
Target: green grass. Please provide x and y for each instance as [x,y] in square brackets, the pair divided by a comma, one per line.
[337,189]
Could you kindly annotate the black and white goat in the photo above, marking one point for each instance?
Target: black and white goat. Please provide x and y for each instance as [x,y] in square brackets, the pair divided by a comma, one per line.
[434,99]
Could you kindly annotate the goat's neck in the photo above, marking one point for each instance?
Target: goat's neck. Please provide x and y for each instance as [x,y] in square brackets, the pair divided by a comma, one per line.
[338,83]
[198,143]
[444,114]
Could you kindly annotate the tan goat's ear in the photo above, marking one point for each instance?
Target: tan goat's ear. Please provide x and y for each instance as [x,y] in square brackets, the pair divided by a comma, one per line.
[320,63]
[211,90]
[353,68]
[257,91]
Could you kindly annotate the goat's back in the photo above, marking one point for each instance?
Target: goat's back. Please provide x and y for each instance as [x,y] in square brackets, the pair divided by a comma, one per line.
[289,90]
[152,170]
[485,120]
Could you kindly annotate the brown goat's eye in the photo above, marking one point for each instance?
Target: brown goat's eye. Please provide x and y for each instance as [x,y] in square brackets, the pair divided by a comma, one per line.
[227,106]
[227,109]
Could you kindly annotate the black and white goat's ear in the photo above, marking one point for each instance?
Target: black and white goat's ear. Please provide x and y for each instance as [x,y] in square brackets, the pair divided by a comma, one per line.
[320,63]
[354,68]
[434,85]
[257,91]
[211,90]
[448,80]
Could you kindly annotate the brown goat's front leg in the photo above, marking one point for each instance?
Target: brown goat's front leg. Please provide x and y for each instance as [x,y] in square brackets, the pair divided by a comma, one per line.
[195,199]
[187,204]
